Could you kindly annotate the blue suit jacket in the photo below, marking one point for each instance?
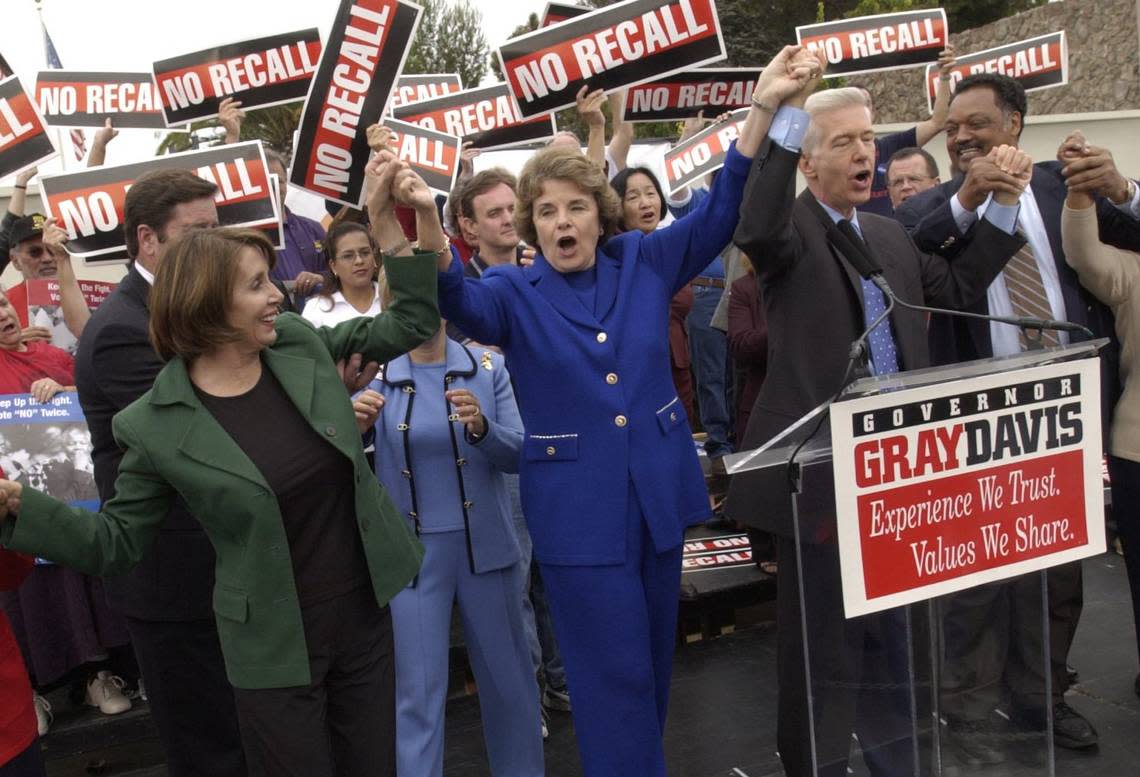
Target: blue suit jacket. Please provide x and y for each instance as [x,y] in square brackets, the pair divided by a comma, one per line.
[594,386]
[491,539]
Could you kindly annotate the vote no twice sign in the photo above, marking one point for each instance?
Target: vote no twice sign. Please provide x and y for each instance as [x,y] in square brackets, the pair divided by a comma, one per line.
[943,488]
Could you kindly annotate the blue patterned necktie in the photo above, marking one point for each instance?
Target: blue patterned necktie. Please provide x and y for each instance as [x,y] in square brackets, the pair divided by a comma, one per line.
[884,355]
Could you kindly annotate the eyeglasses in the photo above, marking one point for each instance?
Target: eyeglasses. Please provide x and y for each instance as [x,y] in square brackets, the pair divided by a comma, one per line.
[913,180]
[348,256]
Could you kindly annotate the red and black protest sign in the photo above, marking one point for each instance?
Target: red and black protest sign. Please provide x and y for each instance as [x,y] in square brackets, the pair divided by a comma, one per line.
[947,487]
[433,155]
[721,552]
[44,307]
[703,153]
[69,98]
[1038,63]
[556,13]
[427,86]
[684,95]
[262,72]
[365,53]
[883,42]
[89,203]
[486,117]
[24,138]
[618,46]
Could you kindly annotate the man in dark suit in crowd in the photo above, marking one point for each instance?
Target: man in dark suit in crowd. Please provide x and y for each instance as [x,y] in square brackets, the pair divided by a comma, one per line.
[994,634]
[167,597]
[815,305]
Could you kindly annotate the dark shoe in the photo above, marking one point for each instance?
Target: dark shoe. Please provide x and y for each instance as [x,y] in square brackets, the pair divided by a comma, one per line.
[1071,730]
[974,742]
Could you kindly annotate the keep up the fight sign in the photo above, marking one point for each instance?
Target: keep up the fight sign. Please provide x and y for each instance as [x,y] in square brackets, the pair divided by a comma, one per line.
[1038,63]
[24,138]
[71,99]
[89,203]
[365,53]
[684,95]
[260,73]
[618,46]
[485,117]
[883,42]
[943,488]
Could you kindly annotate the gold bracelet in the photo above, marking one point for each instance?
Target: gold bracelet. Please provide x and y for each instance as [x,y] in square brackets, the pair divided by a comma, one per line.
[762,106]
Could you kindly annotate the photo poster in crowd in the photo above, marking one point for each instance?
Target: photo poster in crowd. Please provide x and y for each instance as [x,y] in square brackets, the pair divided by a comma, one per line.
[486,117]
[556,13]
[89,203]
[365,54]
[684,95]
[46,446]
[690,160]
[434,156]
[262,72]
[944,488]
[612,48]
[1038,63]
[24,137]
[44,307]
[423,86]
[869,44]
[79,99]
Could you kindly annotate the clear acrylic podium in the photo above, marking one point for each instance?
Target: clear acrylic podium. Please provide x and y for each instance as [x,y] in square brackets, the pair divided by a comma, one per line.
[961,684]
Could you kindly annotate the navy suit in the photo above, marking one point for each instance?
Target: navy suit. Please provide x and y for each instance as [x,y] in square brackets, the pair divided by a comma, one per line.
[609,473]
[993,633]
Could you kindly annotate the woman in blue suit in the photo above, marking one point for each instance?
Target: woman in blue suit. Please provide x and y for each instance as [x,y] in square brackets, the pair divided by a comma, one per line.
[448,430]
[609,474]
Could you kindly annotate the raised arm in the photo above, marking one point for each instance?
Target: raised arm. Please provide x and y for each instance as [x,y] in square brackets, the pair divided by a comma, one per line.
[925,131]
[622,137]
[103,138]
[71,300]
[590,109]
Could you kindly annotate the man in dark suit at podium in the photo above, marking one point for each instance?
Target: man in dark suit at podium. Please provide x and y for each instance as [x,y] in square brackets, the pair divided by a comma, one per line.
[994,633]
[816,305]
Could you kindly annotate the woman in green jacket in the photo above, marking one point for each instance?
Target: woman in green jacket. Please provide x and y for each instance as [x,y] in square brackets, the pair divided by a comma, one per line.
[251,425]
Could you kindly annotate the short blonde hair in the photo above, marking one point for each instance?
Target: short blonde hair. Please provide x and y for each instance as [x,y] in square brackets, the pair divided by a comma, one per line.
[190,300]
[826,101]
[564,164]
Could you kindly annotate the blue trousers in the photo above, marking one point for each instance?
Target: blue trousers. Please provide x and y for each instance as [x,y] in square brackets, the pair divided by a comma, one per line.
[490,606]
[708,349]
[616,625]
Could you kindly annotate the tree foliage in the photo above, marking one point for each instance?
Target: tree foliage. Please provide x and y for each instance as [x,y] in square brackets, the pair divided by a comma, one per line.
[450,39]
[274,126]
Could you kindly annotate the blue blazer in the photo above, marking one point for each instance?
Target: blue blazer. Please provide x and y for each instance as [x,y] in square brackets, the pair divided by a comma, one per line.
[595,387]
[481,490]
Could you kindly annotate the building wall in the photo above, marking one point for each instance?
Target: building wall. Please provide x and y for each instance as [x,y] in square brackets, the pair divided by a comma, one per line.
[1104,60]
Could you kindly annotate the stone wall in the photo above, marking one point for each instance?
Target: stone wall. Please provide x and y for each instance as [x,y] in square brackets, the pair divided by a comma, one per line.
[1104,60]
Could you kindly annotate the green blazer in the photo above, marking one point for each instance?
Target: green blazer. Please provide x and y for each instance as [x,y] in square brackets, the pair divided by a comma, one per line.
[173,446]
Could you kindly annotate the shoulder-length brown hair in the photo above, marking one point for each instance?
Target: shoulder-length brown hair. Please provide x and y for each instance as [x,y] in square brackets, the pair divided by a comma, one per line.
[193,289]
[564,164]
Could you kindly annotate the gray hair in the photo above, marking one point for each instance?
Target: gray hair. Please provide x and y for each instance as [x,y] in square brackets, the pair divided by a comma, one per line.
[825,102]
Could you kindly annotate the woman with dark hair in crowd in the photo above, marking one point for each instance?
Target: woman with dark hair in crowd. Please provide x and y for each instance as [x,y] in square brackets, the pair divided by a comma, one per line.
[60,616]
[448,432]
[350,287]
[249,423]
[643,208]
[609,475]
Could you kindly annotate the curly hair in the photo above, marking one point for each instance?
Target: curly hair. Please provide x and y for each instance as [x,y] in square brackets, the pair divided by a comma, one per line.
[564,164]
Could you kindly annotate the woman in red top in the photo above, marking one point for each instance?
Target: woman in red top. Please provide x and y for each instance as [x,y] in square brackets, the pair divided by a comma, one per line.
[19,749]
[60,616]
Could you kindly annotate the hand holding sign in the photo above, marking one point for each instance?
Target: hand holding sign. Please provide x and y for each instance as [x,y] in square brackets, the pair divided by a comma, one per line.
[946,60]
[230,116]
[106,134]
[55,239]
[10,492]
[589,106]
[25,176]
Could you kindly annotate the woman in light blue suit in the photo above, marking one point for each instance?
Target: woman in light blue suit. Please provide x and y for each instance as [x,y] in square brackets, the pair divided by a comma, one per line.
[609,474]
[448,430]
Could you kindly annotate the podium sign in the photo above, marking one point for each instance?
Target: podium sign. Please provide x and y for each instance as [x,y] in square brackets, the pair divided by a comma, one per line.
[945,487]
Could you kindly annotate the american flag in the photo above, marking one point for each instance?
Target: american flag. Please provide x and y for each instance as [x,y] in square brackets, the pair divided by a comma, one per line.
[78,140]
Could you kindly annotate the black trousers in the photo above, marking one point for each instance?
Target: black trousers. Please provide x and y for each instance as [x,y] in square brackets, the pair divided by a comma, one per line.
[1125,476]
[191,701]
[343,724]
[994,642]
[860,674]
[29,763]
